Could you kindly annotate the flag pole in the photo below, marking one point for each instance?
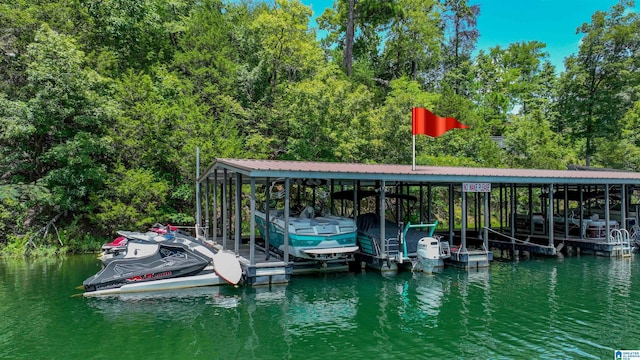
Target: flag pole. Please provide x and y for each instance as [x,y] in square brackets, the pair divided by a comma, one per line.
[413,153]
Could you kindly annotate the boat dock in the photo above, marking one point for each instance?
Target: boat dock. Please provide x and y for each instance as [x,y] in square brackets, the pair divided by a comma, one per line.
[533,245]
[271,269]
[505,211]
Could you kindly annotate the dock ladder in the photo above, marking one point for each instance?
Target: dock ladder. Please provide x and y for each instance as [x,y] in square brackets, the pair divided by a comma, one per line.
[621,237]
[445,249]
[392,249]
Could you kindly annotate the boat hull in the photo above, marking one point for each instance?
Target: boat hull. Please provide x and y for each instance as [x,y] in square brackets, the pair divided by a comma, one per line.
[205,278]
[323,238]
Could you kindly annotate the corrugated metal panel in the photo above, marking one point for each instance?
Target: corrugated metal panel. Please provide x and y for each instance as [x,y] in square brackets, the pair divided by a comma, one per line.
[441,174]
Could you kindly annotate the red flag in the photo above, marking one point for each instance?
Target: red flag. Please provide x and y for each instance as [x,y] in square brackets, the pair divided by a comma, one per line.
[426,123]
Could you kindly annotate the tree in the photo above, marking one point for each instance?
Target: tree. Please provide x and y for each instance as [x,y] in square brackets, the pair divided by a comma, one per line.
[206,52]
[539,149]
[133,34]
[69,117]
[512,80]
[490,90]
[133,199]
[19,22]
[288,48]
[162,122]
[392,122]
[354,26]
[596,89]
[474,144]
[460,22]
[328,118]
[412,45]
[624,153]
[349,37]
[524,63]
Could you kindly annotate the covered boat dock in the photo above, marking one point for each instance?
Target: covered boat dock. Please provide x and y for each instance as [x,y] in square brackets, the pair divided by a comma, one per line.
[487,210]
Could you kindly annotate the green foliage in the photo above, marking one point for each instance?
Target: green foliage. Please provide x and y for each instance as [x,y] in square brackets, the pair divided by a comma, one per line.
[15,247]
[56,135]
[20,208]
[330,117]
[133,35]
[135,199]
[207,53]
[19,247]
[624,153]
[288,49]
[392,123]
[597,88]
[103,103]
[539,149]
[77,239]
[412,45]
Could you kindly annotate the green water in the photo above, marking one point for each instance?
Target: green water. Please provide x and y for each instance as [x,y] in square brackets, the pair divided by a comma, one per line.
[579,307]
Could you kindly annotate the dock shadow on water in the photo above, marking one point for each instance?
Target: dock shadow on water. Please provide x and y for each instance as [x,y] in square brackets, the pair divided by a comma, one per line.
[577,307]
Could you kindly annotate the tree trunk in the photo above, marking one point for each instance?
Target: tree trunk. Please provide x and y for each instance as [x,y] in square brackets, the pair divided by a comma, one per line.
[348,41]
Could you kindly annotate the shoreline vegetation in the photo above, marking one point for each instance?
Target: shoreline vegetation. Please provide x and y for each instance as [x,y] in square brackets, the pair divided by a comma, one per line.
[103,103]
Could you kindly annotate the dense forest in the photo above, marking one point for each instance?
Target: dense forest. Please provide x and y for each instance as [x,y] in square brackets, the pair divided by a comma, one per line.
[103,102]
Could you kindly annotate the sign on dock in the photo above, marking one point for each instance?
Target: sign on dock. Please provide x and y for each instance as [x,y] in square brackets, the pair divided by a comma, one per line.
[476,187]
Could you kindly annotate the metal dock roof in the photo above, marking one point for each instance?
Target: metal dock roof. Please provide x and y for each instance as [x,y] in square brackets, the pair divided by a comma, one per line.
[251,168]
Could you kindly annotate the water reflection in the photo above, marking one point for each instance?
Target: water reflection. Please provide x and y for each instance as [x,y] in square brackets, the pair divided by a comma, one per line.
[324,305]
[429,293]
[582,307]
[272,294]
[177,304]
[321,316]
[619,276]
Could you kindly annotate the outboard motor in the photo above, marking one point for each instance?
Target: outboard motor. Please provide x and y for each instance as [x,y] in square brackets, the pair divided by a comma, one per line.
[428,248]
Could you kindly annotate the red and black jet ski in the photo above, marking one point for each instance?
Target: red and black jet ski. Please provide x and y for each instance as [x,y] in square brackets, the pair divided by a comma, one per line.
[161,260]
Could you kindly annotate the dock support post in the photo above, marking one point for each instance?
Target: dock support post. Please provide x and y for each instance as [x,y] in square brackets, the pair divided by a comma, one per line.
[198,200]
[267,219]
[383,230]
[566,211]
[429,202]
[623,206]
[215,206]
[581,207]
[452,215]
[463,231]
[512,213]
[252,225]
[238,220]
[550,215]
[501,208]
[206,207]
[287,206]
[225,217]
[606,211]
[487,224]
[421,200]
[532,225]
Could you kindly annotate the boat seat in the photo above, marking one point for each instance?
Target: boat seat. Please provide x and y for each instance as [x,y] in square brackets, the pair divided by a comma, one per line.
[308,212]
[324,220]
